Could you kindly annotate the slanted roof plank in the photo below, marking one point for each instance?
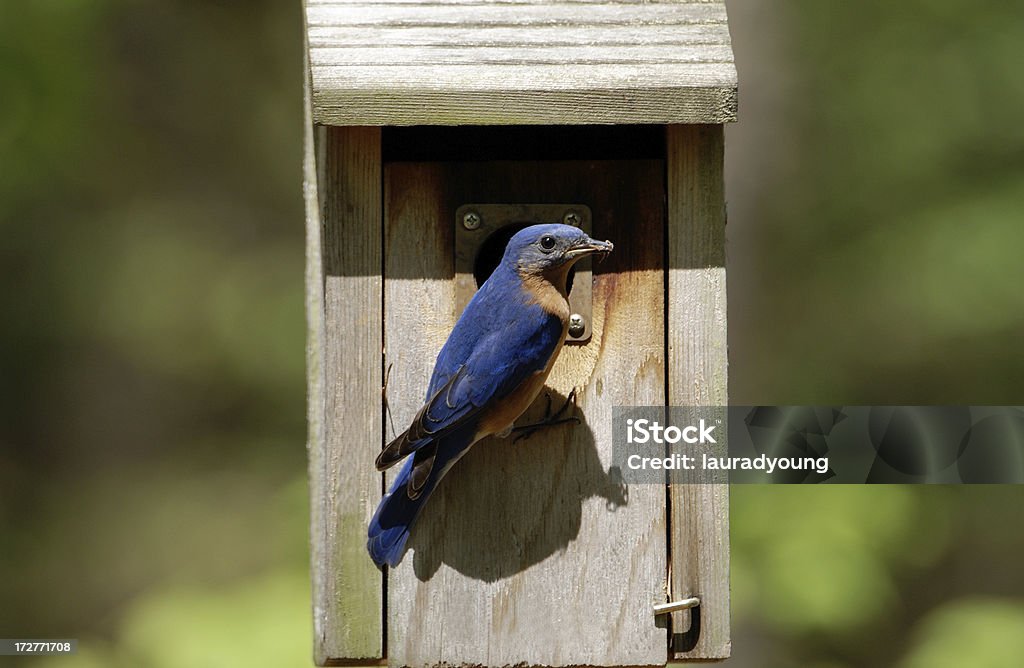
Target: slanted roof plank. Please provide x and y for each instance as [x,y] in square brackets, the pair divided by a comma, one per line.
[401,62]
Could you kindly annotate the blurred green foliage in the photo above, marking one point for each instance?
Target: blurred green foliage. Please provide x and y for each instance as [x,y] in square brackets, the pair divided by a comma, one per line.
[889,234]
[263,621]
[879,262]
[153,500]
[152,470]
[987,632]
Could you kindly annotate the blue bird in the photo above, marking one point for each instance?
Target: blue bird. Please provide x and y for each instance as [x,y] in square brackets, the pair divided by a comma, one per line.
[490,370]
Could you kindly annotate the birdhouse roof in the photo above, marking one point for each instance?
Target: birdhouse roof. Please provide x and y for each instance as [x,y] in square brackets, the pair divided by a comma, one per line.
[520,62]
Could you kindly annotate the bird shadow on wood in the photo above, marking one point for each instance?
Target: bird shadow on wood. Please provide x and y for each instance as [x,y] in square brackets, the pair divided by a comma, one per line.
[507,505]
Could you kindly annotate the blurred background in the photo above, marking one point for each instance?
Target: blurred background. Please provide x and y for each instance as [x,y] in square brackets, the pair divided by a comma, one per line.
[153,497]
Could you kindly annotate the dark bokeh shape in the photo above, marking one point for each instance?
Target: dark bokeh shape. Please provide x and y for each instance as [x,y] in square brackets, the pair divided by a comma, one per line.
[915,440]
[992,451]
[793,432]
[812,419]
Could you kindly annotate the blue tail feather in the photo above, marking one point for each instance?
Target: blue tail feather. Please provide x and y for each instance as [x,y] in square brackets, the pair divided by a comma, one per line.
[389,529]
[390,526]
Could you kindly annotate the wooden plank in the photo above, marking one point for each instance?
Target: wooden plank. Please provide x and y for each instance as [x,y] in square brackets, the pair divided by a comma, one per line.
[539,78]
[532,553]
[344,292]
[487,14]
[313,140]
[516,98]
[697,376]
[421,3]
[542,55]
[409,63]
[595,37]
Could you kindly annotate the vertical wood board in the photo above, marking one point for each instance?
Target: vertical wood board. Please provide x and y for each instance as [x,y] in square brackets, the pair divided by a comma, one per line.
[697,376]
[532,553]
[314,279]
[344,285]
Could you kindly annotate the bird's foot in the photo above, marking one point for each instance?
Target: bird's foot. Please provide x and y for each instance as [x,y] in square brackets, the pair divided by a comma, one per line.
[550,419]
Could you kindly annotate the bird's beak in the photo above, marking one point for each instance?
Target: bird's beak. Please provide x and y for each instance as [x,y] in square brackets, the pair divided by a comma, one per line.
[589,246]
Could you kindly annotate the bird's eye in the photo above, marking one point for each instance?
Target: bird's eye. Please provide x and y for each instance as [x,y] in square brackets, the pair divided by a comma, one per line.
[547,242]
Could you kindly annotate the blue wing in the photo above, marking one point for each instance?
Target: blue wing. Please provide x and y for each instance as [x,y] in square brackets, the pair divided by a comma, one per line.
[502,338]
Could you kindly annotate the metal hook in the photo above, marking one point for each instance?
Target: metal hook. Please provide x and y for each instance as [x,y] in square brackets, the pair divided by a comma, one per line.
[676,606]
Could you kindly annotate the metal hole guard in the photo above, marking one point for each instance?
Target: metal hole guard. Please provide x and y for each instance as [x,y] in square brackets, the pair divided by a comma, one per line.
[475,223]
[676,606]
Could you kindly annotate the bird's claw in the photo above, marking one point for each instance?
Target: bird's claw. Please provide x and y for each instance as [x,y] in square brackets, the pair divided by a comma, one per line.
[550,419]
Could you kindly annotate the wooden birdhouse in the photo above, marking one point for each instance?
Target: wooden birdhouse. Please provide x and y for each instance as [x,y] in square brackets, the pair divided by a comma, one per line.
[435,131]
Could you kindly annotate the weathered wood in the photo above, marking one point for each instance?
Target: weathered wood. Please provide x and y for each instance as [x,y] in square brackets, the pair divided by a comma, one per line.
[512,2]
[540,55]
[697,376]
[406,63]
[324,39]
[532,553]
[594,94]
[330,13]
[318,512]
[344,293]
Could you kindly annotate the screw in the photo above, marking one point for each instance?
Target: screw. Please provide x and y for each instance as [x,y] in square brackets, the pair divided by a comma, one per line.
[471,220]
[571,218]
[576,325]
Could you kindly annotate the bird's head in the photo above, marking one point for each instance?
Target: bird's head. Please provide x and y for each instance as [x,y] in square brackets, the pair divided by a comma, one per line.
[550,251]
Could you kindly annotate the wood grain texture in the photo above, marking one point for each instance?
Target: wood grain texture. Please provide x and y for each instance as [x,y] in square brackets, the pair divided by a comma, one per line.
[697,376]
[312,141]
[482,14]
[389,62]
[344,295]
[532,553]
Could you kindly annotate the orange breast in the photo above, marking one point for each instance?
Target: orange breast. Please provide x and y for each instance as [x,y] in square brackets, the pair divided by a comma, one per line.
[515,404]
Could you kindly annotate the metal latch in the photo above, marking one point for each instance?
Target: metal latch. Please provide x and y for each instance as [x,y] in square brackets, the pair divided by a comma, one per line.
[676,606]
[483,230]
